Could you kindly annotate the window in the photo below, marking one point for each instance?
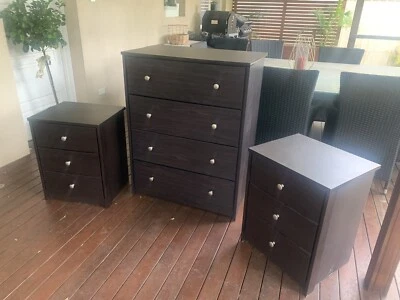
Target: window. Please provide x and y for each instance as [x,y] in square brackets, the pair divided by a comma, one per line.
[284,19]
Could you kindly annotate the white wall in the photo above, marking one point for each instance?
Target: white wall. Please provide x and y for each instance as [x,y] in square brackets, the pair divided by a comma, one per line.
[13,138]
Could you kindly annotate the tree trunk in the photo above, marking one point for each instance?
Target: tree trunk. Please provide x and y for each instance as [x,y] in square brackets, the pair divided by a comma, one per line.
[50,77]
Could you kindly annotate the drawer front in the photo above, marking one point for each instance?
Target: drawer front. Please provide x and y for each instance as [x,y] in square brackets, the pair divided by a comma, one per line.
[262,205]
[280,217]
[266,175]
[77,138]
[304,196]
[71,162]
[205,123]
[297,228]
[185,81]
[190,155]
[290,258]
[74,187]
[202,191]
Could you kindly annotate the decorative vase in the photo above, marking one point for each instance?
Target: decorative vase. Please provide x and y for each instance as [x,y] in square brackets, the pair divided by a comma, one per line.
[303,51]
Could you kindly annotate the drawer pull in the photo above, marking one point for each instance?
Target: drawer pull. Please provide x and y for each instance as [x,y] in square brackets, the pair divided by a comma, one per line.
[210,193]
[214,126]
[68,163]
[148,116]
[63,138]
[216,86]
[280,186]
[275,217]
[151,179]
[72,186]
[271,244]
[150,149]
[147,78]
[212,161]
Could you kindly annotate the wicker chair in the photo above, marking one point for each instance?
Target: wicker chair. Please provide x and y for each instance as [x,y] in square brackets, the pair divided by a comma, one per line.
[285,103]
[368,119]
[338,55]
[272,47]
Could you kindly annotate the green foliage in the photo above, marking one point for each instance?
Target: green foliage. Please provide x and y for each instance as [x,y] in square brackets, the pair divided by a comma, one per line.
[394,58]
[329,20]
[34,24]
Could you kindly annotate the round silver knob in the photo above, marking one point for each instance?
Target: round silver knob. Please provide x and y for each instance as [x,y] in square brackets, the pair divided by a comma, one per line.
[147,78]
[150,149]
[280,186]
[275,217]
[148,116]
[212,161]
[151,179]
[271,244]
[68,163]
[72,186]
[210,193]
[63,138]
[216,86]
[214,126]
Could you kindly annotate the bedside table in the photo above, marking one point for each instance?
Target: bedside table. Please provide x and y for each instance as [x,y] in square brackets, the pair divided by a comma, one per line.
[304,203]
[81,151]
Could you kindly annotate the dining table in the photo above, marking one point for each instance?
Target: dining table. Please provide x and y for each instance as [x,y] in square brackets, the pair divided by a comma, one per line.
[328,84]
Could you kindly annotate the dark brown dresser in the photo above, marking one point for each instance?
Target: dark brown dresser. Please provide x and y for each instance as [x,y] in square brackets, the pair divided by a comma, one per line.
[303,206]
[192,116]
[81,151]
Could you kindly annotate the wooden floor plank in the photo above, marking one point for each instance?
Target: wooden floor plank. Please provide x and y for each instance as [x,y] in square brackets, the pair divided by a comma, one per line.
[348,280]
[254,276]
[179,273]
[236,273]
[158,214]
[197,275]
[72,284]
[329,287]
[216,276]
[271,286]
[159,274]
[289,289]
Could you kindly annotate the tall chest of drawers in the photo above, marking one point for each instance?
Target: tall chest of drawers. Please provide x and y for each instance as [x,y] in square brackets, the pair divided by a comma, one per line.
[81,151]
[304,203]
[192,116]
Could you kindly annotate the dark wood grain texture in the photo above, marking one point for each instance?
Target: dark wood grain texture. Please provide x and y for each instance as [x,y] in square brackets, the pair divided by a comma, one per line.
[81,151]
[58,250]
[297,219]
[197,111]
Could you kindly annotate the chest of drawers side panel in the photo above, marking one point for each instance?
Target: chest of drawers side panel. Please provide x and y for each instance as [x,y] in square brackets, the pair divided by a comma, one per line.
[113,158]
[339,224]
[248,127]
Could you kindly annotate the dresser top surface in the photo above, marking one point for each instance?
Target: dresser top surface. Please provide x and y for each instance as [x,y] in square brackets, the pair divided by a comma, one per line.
[77,113]
[322,163]
[217,56]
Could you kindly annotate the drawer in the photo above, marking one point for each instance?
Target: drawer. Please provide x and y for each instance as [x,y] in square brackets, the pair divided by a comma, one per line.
[73,187]
[266,175]
[202,191]
[77,138]
[304,196]
[262,205]
[280,217]
[292,260]
[79,163]
[297,228]
[186,81]
[190,155]
[205,123]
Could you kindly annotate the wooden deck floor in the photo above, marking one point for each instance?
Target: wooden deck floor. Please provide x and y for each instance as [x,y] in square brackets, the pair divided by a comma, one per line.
[143,248]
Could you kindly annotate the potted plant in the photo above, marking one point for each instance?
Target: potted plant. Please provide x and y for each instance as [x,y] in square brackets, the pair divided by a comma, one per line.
[35,24]
[329,20]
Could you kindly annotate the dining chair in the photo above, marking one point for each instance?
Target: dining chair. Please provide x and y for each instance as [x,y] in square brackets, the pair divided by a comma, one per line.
[285,102]
[338,55]
[274,48]
[367,121]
